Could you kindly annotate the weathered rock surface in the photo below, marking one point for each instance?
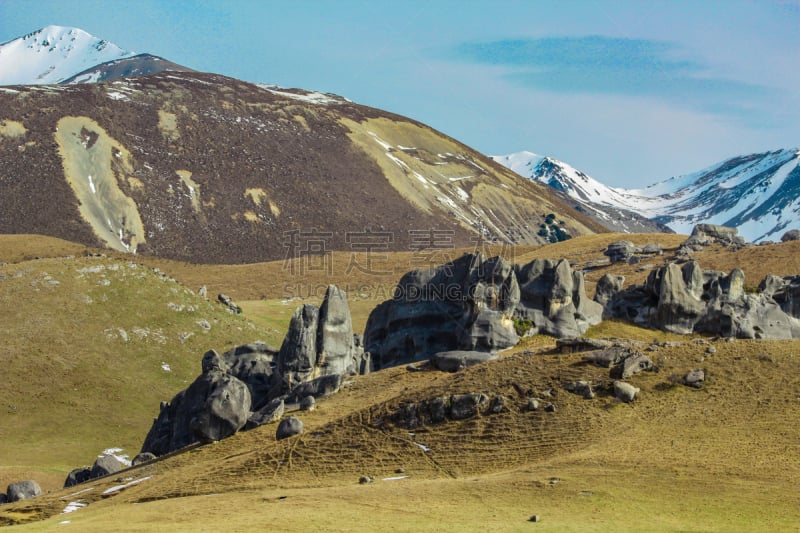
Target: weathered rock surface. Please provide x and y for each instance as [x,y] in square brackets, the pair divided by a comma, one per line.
[609,357]
[791,235]
[249,385]
[272,412]
[443,408]
[581,388]
[463,305]
[104,465]
[470,305]
[708,234]
[78,476]
[607,287]
[621,251]
[216,405]
[456,360]
[227,301]
[289,427]
[3,498]
[308,403]
[625,392]
[554,298]
[686,299]
[695,378]
[142,458]
[631,365]
[320,342]
[23,490]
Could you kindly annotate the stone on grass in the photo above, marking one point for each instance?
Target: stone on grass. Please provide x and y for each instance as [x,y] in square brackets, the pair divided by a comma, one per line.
[289,427]
[78,476]
[142,458]
[23,490]
[104,465]
[625,392]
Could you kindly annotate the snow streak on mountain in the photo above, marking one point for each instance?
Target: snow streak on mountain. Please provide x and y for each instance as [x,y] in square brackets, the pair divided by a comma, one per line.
[757,193]
[52,55]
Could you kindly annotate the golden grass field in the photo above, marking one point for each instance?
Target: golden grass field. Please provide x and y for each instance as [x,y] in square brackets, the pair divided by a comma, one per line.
[722,458]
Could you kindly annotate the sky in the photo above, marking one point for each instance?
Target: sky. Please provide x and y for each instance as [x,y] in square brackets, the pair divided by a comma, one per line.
[629,92]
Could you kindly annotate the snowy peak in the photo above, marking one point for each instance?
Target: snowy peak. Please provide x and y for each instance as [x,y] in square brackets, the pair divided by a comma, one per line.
[757,193]
[53,54]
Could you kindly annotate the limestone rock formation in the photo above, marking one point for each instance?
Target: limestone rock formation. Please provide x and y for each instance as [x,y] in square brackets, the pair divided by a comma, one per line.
[708,234]
[272,412]
[620,251]
[142,458]
[553,298]
[470,304]
[320,342]
[685,299]
[216,405]
[249,385]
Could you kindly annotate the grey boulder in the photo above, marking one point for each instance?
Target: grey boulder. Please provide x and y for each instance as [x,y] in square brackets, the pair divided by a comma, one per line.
[105,465]
[78,476]
[289,427]
[625,392]
[272,412]
[456,360]
[23,490]
[142,458]
[635,363]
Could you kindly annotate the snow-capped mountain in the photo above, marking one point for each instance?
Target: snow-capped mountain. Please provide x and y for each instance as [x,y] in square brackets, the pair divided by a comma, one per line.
[607,205]
[54,54]
[759,193]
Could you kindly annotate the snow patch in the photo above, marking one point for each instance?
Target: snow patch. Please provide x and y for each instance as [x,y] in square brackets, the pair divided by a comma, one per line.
[117,488]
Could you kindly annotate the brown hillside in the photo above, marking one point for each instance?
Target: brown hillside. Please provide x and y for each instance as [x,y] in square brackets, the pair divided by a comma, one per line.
[209,169]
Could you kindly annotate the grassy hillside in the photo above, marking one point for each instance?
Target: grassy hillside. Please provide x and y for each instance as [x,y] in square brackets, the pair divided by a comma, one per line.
[722,458]
[87,341]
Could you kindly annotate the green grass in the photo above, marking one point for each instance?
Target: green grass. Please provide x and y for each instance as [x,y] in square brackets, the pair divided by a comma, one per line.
[83,354]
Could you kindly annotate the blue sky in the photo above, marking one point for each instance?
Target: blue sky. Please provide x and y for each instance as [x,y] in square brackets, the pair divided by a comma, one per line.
[630,92]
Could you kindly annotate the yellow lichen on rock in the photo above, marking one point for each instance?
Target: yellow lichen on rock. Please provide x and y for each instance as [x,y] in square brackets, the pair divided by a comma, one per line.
[94,165]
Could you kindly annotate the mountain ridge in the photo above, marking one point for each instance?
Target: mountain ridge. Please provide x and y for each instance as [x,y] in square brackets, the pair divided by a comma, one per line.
[756,193]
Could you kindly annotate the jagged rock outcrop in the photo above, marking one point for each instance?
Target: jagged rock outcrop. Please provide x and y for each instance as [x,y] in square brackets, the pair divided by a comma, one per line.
[249,385]
[553,298]
[686,299]
[216,405]
[708,234]
[470,304]
[320,342]
[620,251]
[464,305]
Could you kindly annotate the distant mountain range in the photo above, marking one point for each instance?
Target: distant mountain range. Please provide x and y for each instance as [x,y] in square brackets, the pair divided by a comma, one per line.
[211,169]
[759,193]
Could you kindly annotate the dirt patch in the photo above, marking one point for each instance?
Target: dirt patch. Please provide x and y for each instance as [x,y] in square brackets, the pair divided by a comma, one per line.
[94,165]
